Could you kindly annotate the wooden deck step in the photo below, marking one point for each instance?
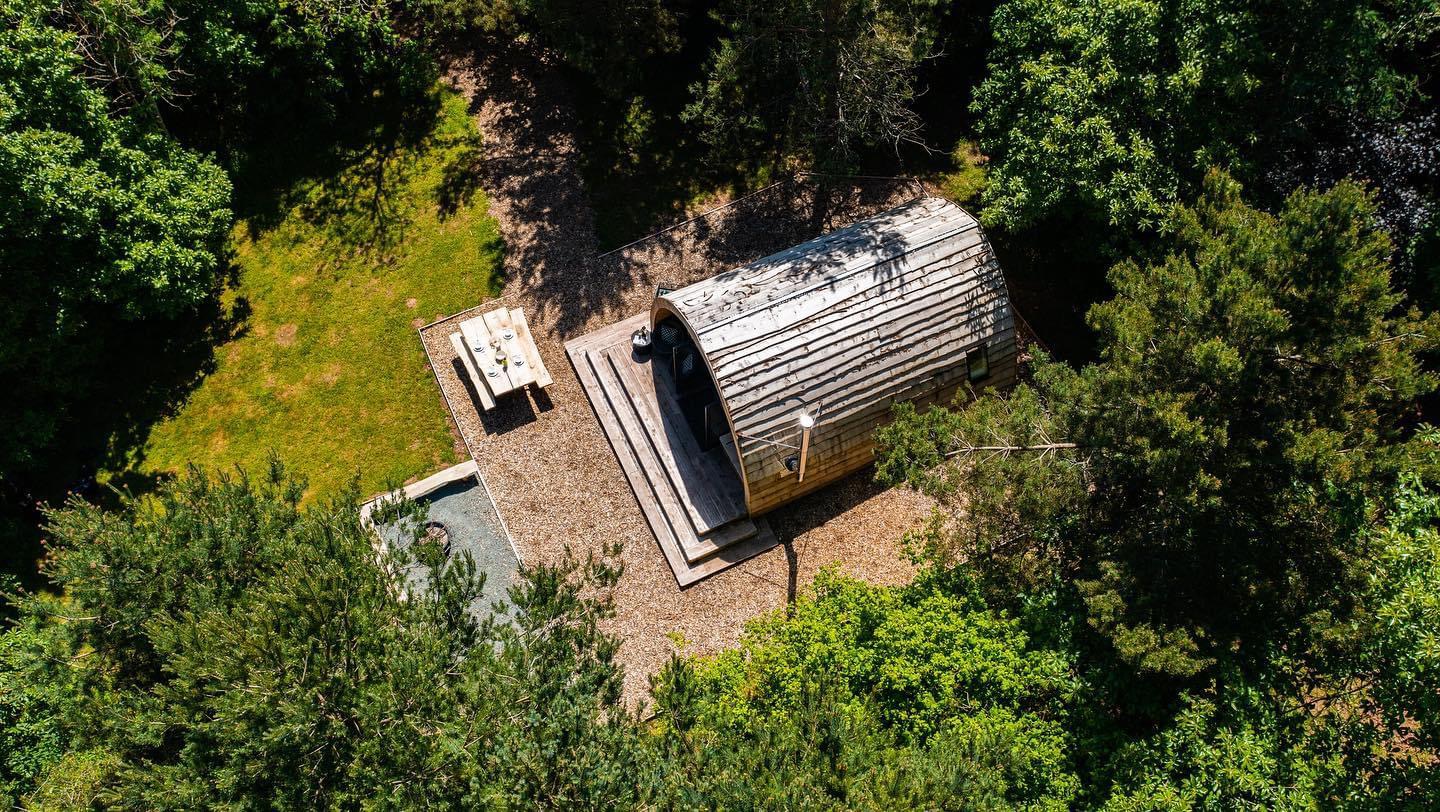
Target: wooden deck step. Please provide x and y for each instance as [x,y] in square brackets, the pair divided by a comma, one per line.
[691,556]
[711,492]
[662,478]
[629,465]
[712,486]
[695,542]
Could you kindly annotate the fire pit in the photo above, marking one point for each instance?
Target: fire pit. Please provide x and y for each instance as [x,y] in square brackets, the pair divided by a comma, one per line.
[436,533]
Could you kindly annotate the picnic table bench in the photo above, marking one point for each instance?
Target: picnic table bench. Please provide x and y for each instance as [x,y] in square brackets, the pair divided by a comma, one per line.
[499,354]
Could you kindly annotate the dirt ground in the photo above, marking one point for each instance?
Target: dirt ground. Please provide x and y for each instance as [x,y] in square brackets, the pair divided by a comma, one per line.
[553,475]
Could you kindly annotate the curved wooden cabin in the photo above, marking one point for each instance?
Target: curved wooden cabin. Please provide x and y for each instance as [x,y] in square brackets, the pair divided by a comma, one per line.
[907,305]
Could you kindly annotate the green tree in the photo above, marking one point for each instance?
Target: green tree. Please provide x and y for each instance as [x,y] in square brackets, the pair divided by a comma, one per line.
[222,74]
[1405,652]
[875,698]
[103,224]
[113,247]
[1117,108]
[1360,732]
[1206,484]
[816,80]
[222,647]
[254,72]
[31,737]
[606,41]
[1242,749]
[1389,684]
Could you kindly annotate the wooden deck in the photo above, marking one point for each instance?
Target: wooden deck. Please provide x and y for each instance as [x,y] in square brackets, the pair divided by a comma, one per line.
[692,498]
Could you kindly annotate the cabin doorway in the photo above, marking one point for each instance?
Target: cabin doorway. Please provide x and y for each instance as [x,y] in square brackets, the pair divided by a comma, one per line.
[677,361]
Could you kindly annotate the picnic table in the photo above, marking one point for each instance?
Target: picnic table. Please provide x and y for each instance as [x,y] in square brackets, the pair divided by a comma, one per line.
[499,354]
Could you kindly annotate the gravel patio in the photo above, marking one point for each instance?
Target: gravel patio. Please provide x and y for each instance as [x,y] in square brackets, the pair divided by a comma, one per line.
[553,475]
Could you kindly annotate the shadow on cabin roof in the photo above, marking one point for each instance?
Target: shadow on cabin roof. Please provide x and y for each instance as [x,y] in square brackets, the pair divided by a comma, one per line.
[842,327]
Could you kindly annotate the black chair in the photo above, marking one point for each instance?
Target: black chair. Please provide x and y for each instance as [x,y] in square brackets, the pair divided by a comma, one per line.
[686,362]
[669,334]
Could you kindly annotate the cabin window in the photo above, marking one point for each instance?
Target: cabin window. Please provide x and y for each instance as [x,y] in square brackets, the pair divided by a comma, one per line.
[978,362]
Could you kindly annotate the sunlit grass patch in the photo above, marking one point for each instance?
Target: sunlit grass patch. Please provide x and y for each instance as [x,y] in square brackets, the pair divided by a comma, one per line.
[327,369]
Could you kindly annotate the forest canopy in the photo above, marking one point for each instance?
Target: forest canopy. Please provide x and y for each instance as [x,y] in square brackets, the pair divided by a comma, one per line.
[1118,108]
[1190,561]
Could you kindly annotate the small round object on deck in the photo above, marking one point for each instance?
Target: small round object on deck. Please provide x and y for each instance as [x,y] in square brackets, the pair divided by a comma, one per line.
[640,341]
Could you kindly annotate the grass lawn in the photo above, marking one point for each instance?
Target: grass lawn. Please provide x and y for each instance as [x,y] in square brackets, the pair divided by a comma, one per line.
[326,368]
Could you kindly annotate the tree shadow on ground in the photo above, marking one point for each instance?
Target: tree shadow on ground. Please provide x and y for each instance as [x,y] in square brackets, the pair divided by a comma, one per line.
[460,180]
[346,164]
[366,204]
[813,510]
[534,165]
[134,375]
[357,211]
[528,165]
[644,165]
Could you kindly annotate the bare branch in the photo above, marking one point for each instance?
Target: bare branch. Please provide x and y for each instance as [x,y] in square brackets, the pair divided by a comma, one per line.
[1006,449]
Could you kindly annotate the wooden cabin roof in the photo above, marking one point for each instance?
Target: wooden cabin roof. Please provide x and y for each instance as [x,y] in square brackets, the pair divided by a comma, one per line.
[845,325]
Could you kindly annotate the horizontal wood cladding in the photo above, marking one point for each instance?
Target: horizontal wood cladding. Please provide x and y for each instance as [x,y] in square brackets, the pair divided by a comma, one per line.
[850,447]
[843,327]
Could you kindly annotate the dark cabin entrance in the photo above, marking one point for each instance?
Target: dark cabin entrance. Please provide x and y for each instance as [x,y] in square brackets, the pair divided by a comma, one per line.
[677,360]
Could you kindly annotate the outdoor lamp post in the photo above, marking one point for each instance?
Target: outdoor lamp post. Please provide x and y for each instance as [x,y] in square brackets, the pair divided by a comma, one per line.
[807,422]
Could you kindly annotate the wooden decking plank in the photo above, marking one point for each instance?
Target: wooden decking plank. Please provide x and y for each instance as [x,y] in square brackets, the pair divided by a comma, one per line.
[698,469]
[630,466]
[751,537]
[678,504]
[628,424]
[707,499]
[708,544]
[614,334]
[759,536]
[732,554]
